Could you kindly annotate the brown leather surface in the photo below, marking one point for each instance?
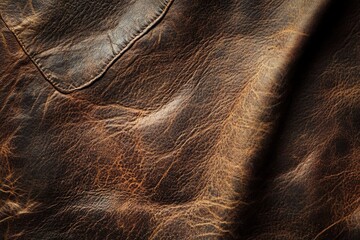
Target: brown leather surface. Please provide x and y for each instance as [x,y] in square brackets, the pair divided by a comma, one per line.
[234,119]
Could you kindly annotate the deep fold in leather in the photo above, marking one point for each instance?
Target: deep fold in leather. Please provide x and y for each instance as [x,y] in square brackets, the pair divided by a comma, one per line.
[74,42]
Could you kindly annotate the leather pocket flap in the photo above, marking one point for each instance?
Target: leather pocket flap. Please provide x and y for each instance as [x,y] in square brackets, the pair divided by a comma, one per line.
[74,42]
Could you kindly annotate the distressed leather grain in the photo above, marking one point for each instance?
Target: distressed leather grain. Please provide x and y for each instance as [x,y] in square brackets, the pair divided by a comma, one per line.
[235,119]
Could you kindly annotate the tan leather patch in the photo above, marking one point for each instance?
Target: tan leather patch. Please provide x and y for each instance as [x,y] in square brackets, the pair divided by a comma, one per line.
[74,42]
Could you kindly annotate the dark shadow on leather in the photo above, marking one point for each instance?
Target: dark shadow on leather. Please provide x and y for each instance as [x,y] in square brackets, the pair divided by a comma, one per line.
[264,166]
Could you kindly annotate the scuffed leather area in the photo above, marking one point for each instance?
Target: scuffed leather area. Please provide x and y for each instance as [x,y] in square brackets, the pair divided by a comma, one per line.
[74,42]
[230,119]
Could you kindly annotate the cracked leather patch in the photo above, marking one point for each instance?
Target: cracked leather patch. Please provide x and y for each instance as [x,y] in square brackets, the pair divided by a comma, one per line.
[74,42]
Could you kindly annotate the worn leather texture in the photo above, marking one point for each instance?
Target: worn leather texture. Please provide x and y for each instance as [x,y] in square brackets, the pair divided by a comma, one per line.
[183,119]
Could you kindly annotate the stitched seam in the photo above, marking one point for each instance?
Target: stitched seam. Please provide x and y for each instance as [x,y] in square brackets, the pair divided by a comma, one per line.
[24,50]
[65,88]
